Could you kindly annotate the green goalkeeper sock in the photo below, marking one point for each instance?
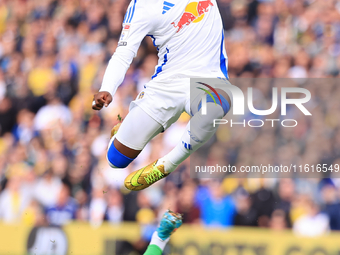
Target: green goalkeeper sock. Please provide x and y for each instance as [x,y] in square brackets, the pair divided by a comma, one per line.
[153,250]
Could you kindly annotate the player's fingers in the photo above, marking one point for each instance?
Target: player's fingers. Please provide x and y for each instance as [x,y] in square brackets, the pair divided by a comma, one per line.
[108,100]
[96,106]
[99,103]
[100,100]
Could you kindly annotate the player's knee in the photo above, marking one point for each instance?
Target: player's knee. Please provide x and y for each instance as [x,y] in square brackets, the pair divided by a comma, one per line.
[220,101]
[117,159]
[217,106]
[215,111]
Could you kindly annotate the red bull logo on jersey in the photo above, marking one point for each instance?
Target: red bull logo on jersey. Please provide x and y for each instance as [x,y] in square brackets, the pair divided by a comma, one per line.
[194,12]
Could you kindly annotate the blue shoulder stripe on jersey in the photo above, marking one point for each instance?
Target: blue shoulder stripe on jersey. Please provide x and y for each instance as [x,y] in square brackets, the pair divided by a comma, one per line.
[133,11]
[223,65]
[166,8]
[168,4]
[125,17]
[160,68]
[128,16]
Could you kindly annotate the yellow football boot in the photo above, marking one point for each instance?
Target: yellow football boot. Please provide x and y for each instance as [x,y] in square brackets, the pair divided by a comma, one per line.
[143,178]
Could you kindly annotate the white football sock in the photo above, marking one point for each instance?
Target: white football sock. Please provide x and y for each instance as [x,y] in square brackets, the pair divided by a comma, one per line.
[168,165]
[198,131]
[156,240]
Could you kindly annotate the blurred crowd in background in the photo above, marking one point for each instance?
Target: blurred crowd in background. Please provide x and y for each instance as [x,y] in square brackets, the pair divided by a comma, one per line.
[53,169]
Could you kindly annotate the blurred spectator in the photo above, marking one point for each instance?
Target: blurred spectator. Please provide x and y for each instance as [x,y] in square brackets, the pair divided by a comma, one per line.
[97,207]
[331,205]
[13,201]
[47,189]
[115,209]
[314,223]
[216,208]
[286,193]
[278,220]
[64,210]
[187,206]
[51,114]
[7,115]
[42,78]
[246,214]
[24,130]
[263,201]
[82,201]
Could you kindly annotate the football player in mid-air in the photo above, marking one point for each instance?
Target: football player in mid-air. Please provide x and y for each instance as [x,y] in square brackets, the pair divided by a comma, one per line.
[190,40]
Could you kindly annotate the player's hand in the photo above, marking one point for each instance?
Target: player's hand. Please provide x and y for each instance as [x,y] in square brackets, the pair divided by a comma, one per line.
[101,99]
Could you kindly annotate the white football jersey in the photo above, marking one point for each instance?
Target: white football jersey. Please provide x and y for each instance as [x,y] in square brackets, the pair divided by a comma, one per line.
[187,33]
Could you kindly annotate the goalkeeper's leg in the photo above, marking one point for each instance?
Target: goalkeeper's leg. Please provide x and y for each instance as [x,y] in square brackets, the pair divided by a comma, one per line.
[170,222]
